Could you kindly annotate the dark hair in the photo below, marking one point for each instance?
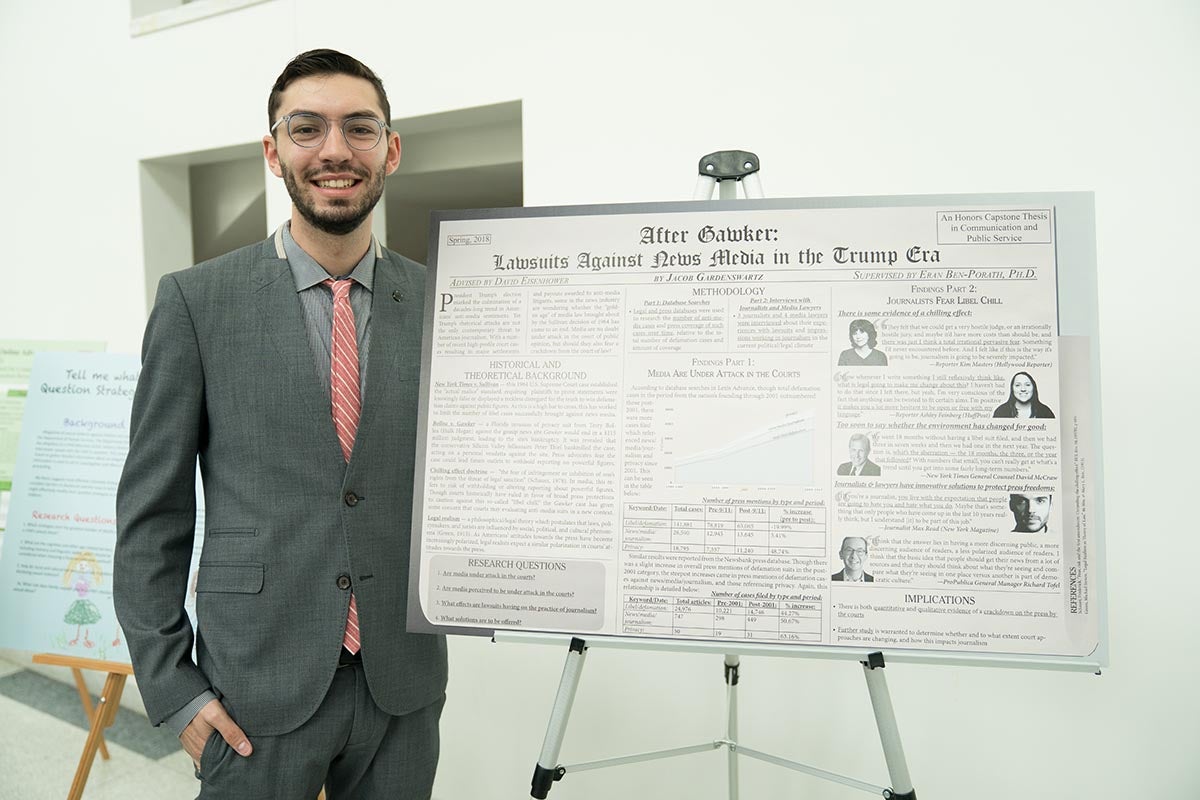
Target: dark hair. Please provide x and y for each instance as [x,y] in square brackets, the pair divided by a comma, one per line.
[1012,499]
[866,327]
[325,62]
[1012,396]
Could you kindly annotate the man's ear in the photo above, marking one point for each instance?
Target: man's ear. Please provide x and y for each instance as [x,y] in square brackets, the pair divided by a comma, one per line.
[271,154]
[393,152]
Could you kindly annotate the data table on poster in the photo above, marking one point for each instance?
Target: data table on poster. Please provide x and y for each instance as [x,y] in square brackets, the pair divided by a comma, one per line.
[724,529]
[722,618]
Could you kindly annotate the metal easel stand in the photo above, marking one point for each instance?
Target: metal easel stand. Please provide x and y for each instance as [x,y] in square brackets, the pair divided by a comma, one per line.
[726,169]
[548,769]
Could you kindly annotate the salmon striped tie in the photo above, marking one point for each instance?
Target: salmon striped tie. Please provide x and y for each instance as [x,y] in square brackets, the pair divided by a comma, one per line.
[343,363]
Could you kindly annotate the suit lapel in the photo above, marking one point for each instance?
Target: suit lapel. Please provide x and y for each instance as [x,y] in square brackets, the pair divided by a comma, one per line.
[283,319]
[395,310]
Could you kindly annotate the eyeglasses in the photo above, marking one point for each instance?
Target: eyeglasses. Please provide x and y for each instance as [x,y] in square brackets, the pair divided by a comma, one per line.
[858,551]
[310,130]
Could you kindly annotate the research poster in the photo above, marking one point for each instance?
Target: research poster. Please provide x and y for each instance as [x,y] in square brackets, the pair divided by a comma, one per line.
[56,566]
[817,425]
[16,361]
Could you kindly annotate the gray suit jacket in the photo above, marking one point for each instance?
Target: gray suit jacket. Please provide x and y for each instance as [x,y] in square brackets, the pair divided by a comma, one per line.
[840,575]
[870,468]
[228,376]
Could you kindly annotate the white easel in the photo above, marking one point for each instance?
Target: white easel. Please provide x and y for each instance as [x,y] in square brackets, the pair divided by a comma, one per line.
[725,169]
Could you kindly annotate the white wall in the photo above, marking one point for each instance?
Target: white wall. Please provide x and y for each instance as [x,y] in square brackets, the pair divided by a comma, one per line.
[620,99]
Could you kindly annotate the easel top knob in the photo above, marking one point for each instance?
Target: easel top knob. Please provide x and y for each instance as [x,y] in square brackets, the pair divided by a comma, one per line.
[728,169]
[729,165]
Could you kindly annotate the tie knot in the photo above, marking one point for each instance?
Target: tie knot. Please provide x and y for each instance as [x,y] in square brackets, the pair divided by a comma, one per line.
[339,288]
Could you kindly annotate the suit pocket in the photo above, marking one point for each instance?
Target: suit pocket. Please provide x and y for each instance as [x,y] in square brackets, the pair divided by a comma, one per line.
[240,578]
[232,532]
[211,755]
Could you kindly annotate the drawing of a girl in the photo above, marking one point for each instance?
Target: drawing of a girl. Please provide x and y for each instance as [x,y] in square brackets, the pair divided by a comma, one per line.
[84,570]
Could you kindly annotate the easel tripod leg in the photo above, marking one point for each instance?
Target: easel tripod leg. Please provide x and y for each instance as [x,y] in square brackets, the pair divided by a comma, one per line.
[731,733]
[547,770]
[88,709]
[106,712]
[889,732]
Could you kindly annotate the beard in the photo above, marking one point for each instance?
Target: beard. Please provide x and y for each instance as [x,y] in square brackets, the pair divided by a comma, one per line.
[345,216]
[1031,522]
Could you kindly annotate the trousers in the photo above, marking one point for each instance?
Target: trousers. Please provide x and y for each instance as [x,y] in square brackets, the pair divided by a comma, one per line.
[349,746]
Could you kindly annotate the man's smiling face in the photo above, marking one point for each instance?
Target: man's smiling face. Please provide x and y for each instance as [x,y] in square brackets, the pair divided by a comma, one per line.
[333,186]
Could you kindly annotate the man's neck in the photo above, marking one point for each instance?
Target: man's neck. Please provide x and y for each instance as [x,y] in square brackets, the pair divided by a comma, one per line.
[337,255]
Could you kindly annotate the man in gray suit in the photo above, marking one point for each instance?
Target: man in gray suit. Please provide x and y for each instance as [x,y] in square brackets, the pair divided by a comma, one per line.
[854,561]
[290,369]
[859,463]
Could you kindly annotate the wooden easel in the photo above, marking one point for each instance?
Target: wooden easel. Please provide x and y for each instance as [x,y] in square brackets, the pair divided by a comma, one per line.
[101,716]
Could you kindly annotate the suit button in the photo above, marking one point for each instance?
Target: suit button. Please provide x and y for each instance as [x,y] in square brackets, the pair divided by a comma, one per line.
[351,499]
[343,581]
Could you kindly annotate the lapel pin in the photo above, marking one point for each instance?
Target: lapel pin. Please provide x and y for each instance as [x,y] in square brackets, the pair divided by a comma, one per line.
[399,298]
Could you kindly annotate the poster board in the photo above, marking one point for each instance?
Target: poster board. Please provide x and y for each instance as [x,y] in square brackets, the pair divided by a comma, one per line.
[655,421]
[16,362]
[57,561]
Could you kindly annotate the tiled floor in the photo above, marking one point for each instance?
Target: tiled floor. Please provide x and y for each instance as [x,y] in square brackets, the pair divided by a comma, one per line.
[39,749]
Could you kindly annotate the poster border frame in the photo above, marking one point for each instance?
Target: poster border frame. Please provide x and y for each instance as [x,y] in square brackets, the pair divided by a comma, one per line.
[1075,254]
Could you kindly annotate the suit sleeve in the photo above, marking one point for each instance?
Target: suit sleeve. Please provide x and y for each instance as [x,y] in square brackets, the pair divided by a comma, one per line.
[156,508]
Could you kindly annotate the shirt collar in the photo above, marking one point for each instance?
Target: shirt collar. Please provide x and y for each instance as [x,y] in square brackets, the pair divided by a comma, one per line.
[307,273]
